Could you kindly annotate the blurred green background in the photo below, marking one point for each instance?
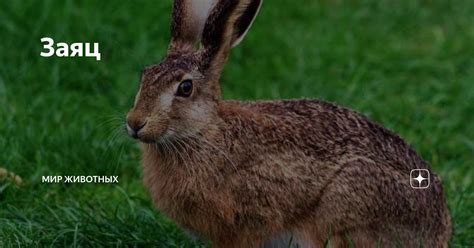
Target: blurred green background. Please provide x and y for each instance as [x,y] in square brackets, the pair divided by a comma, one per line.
[406,64]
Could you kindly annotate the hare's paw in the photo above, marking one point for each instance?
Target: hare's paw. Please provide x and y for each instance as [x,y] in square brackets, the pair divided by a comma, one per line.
[286,240]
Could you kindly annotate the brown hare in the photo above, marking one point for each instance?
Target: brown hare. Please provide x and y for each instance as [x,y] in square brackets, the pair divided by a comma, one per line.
[279,173]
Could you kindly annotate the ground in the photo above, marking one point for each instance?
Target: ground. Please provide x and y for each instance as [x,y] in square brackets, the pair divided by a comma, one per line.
[406,64]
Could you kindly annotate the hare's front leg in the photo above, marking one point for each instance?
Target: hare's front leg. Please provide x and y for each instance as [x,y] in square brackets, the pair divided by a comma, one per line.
[286,240]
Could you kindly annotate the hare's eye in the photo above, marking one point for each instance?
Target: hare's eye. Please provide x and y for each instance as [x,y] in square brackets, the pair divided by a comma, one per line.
[185,88]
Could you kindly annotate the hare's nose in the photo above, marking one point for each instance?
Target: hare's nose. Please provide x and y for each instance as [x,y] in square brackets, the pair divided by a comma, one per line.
[133,127]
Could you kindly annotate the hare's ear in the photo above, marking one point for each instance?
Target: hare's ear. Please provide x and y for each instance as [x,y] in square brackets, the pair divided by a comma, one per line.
[245,21]
[225,27]
[187,24]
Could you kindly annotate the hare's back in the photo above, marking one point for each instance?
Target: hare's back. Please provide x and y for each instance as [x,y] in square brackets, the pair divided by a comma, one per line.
[326,127]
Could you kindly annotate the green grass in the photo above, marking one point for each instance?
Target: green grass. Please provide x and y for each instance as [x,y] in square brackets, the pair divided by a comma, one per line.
[407,64]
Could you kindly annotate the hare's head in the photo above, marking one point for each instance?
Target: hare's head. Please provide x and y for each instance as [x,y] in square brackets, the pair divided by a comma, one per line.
[179,95]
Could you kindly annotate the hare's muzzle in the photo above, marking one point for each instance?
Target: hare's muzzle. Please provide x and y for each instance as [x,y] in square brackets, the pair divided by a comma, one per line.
[134,126]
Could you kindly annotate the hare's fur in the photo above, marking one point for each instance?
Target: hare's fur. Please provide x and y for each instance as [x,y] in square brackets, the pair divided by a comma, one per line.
[246,174]
[307,167]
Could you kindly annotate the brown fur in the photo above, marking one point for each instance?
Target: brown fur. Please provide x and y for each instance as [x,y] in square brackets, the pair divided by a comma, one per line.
[242,173]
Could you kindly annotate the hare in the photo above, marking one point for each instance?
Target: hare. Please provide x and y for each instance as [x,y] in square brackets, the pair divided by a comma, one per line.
[282,173]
